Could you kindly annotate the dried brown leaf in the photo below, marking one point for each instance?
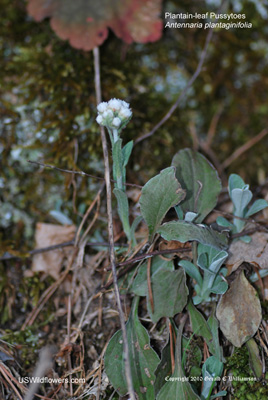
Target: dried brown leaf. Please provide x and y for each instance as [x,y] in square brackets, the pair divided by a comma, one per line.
[254,252]
[47,235]
[239,311]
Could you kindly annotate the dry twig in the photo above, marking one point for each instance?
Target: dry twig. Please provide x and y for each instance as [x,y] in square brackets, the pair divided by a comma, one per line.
[241,150]
[182,94]
[110,231]
[68,171]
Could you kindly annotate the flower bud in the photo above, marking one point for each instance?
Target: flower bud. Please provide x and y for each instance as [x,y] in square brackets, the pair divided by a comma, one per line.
[116,122]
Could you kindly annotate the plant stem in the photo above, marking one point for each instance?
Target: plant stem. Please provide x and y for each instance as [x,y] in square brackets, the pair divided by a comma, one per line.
[115,134]
[194,250]
[110,231]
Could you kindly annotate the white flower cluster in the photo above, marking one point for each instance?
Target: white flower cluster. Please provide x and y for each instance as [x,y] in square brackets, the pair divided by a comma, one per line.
[114,114]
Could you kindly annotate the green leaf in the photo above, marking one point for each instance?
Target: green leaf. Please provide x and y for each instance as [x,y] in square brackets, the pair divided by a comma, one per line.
[212,368]
[126,152]
[192,271]
[177,386]
[122,205]
[140,286]
[158,195]
[190,216]
[164,369]
[191,168]
[213,325]
[218,395]
[186,231]
[240,199]
[143,359]
[219,287]
[170,293]
[133,228]
[256,207]
[254,357]
[168,287]
[235,181]
[224,222]
[200,326]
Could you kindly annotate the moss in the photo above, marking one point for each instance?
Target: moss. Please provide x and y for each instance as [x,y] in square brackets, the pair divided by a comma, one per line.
[238,366]
[27,343]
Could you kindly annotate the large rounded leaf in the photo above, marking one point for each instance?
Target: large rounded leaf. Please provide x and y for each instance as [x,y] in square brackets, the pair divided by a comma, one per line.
[143,359]
[159,194]
[201,181]
[85,23]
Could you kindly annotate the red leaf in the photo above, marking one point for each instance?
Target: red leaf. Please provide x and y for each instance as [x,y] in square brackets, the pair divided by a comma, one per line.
[85,23]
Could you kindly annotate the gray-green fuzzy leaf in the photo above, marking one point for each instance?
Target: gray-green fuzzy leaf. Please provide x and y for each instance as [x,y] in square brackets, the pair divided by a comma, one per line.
[191,168]
[143,359]
[158,195]
[140,286]
[122,205]
[186,231]
[200,327]
[170,293]
[256,207]
[177,387]
[126,152]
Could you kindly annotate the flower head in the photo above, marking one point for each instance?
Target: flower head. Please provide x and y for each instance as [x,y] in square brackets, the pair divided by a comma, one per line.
[102,106]
[114,114]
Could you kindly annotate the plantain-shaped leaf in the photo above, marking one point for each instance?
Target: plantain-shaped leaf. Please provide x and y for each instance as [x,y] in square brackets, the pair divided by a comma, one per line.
[213,325]
[85,23]
[140,286]
[201,328]
[212,368]
[122,206]
[177,386]
[143,359]
[170,293]
[201,181]
[169,288]
[187,231]
[254,358]
[164,369]
[158,195]
[126,151]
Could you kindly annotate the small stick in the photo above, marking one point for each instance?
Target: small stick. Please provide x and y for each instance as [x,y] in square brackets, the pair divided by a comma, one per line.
[110,232]
[171,348]
[68,338]
[238,152]
[57,246]
[68,171]
[149,284]
[182,94]
[151,254]
[7,378]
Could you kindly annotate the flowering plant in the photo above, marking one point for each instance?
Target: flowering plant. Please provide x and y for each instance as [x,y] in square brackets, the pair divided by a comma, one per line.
[114,115]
